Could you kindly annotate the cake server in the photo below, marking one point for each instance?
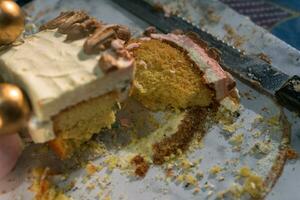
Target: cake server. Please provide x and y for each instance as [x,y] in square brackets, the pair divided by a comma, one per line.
[248,68]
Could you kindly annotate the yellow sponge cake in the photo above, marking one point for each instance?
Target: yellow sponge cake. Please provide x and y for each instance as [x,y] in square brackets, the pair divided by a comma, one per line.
[176,71]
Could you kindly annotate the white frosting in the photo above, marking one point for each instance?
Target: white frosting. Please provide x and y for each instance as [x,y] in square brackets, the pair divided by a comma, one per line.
[56,74]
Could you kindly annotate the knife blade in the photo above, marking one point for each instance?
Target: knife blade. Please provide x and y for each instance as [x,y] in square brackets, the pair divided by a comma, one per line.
[249,68]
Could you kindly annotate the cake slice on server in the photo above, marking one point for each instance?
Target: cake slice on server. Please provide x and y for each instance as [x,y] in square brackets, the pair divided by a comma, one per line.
[74,72]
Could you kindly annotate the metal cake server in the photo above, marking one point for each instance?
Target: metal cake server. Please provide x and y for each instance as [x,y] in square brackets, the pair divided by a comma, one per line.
[249,68]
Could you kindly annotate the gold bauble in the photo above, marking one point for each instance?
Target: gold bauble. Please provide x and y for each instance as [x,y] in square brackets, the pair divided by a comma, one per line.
[11,21]
[14,109]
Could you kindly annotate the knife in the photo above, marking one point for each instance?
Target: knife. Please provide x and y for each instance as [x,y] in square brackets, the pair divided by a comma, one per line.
[248,68]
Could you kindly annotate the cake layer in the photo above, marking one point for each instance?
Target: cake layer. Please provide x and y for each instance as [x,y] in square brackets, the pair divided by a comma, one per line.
[80,122]
[167,78]
[76,125]
[177,71]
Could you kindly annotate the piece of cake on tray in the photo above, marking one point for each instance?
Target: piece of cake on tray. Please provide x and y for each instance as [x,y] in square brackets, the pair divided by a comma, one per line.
[74,72]
[178,71]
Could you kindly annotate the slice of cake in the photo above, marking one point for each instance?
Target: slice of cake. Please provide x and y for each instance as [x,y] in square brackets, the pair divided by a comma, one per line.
[74,72]
[179,74]
[177,71]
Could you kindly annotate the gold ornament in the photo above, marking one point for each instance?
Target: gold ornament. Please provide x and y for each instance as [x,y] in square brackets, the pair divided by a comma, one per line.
[14,109]
[11,21]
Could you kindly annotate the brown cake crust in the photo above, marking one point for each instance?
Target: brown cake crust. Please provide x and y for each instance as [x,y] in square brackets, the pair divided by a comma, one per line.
[179,142]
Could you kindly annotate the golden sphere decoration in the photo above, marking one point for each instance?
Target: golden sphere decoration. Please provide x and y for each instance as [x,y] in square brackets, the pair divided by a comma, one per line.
[14,109]
[11,21]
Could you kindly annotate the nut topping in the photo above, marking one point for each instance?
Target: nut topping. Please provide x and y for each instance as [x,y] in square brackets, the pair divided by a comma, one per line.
[55,23]
[150,30]
[78,25]
[124,53]
[100,40]
[77,17]
[117,44]
[109,63]
[123,33]
[103,37]
[84,29]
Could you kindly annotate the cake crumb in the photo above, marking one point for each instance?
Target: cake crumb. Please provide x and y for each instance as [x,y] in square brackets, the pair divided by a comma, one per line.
[212,16]
[43,187]
[265,57]
[231,35]
[209,193]
[107,197]
[90,168]
[91,186]
[190,179]
[257,134]
[245,171]
[261,147]
[125,122]
[273,121]
[199,175]
[237,139]
[209,186]
[141,165]
[196,190]
[292,154]
[215,170]
[169,173]
[186,164]
[235,191]
[230,128]
[180,178]
[112,162]
[252,184]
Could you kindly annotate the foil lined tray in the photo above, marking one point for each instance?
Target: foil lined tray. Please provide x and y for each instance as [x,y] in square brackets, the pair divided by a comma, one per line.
[261,121]
[261,125]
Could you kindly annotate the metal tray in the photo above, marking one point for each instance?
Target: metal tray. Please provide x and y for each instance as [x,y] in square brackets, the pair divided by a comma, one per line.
[216,148]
